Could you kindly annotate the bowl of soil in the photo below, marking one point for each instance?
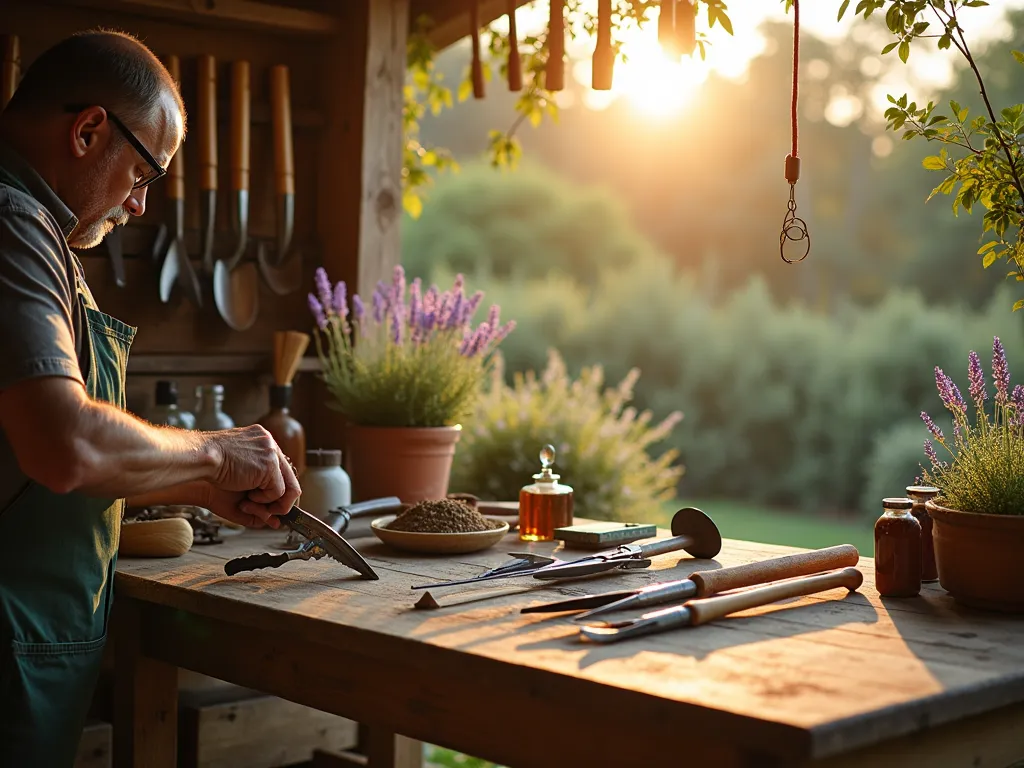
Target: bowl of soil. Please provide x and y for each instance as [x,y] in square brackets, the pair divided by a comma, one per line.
[447,526]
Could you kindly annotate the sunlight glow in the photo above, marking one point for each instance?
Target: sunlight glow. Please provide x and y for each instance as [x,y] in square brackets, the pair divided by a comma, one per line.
[656,85]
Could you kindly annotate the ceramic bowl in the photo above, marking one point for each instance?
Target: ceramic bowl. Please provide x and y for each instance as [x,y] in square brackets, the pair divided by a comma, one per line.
[445,543]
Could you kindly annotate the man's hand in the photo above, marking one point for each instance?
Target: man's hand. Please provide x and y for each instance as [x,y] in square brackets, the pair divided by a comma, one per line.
[253,466]
[226,504]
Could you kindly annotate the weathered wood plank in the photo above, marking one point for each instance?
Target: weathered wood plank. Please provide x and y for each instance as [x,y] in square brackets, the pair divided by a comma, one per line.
[95,746]
[835,674]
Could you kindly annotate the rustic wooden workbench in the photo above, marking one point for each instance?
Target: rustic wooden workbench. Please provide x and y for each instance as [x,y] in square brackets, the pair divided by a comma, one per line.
[826,680]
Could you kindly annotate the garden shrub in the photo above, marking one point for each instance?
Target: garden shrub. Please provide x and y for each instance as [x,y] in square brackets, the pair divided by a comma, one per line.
[600,441]
[895,462]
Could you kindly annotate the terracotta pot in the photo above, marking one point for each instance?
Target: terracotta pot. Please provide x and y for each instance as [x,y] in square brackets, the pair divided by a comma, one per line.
[412,463]
[978,557]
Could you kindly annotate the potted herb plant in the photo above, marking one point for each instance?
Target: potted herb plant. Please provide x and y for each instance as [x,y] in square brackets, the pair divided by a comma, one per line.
[978,520]
[404,370]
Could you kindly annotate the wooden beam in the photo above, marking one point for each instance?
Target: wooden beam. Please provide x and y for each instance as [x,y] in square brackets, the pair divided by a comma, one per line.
[247,14]
[450,18]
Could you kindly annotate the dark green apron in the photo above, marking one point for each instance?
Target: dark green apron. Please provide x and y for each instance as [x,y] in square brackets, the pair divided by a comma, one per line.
[56,585]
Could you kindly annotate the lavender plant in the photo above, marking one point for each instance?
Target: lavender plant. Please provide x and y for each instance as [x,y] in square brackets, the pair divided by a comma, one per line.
[985,472]
[410,359]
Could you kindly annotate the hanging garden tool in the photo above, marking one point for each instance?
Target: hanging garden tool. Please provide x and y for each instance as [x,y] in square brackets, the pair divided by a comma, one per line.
[794,229]
[207,119]
[685,28]
[554,72]
[477,67]
[667,29]
[515,66]
[604,53]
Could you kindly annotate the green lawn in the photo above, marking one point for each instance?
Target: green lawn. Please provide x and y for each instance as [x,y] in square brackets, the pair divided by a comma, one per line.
[738,520]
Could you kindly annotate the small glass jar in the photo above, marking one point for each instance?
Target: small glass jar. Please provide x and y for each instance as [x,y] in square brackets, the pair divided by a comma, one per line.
[210,415]
[165,410]
[920,495]
[325,485]
[546,504]
[897,550]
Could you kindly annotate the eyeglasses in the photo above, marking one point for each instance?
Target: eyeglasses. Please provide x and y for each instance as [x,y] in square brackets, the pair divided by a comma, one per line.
[155,170]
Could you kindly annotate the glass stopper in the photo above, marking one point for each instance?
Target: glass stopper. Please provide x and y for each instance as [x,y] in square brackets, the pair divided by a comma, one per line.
[547,456]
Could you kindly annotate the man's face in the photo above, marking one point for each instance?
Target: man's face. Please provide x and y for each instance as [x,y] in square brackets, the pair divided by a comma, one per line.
[99,188]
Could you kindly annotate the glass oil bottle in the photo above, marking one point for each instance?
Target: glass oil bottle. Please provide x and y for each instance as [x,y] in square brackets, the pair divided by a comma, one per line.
[545,504]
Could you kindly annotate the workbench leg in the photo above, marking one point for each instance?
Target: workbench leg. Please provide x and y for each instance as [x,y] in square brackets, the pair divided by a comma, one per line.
[386,749]
[145,698]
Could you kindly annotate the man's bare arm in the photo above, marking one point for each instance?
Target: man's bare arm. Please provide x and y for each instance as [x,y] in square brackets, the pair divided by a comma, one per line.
[67,442]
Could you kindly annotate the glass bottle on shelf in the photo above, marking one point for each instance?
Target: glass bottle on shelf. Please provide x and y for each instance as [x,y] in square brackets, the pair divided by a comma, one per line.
[920,495]
[165,408]
[546,504]
[210,415]
[897,550]
[284,427]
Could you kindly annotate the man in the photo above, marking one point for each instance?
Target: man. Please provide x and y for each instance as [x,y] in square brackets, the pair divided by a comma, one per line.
[94,120]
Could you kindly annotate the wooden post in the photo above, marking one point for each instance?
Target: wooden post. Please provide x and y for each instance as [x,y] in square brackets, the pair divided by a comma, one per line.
[145,698]
[360,184]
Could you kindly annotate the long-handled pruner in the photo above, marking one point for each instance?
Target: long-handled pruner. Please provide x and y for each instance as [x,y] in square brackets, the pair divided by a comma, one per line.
[697,612]
[694,532]
[322,540]
[704,583]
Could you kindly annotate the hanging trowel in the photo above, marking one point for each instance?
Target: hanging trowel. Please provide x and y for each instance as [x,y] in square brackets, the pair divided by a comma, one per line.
[284,168]
[207,118]
[115,248]
[176,267]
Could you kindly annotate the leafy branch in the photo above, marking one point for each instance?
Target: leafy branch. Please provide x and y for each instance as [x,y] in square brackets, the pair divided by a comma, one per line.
[425,88]
[990,165]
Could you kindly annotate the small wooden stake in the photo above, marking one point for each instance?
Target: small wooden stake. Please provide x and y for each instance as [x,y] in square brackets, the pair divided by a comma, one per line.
[515,67]
[554,73]
[477,66]
[604,54]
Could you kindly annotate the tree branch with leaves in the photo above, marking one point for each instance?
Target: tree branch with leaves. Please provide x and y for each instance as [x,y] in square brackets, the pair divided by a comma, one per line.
[982,156]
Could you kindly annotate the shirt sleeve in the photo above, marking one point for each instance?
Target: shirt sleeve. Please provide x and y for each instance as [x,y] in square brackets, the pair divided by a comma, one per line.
[37,299]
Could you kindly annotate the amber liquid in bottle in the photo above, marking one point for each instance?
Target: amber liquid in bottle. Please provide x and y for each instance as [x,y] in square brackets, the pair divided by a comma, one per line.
[898,552]
[920,495]
[541,513]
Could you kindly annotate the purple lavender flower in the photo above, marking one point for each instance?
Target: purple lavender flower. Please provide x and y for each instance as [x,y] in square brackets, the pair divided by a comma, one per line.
[949,392]
[929,451]
[936,432]
[443,312]
[977,380]
[358,310]
[340,299]
[504,331]
[415,305]
[1017,400]
[396,328]
[430,300]
[471,306]
[318,311]
[323,289]
[378,306]
[1000,370]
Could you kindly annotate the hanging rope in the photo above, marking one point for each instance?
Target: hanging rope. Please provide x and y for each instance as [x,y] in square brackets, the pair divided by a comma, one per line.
[794,229]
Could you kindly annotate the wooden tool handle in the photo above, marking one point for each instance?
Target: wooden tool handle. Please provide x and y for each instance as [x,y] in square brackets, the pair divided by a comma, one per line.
[12,62]
[787,567]
[207,95]
[515,66]
[281,112]
[711,608]
[241,114]
[176,168]
[477,65]
[554,72]
[604,55]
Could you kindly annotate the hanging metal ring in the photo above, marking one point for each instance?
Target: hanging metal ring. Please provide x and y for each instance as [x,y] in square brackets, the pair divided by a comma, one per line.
[794,229]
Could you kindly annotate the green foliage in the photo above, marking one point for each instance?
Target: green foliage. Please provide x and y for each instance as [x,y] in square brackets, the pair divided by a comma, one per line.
[426,89]
[988,161]
[986,471]
[438,757]
[419,364]
[893,464]
[600,440]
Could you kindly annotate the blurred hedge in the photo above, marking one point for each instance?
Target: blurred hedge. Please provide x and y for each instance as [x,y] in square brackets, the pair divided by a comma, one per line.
[782,405]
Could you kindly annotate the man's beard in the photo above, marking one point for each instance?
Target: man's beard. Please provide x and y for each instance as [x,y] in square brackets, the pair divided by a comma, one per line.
[89,234]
